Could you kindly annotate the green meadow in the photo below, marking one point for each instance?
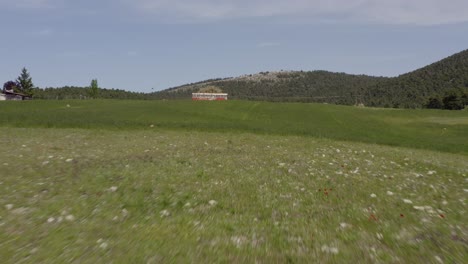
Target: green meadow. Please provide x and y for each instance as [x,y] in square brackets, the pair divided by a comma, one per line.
[438,130]
[104,181]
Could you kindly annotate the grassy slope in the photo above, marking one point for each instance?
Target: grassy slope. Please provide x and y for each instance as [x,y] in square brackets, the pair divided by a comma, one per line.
[271,203]
[426,129]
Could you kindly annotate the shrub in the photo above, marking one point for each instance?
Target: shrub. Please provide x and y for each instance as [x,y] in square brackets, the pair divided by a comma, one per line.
[11,86]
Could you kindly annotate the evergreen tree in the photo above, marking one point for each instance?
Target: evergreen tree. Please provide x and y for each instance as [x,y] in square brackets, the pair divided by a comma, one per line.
[25,83]
[94,89]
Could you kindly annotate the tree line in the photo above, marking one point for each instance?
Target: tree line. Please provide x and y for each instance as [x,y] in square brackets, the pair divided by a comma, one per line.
[24,85]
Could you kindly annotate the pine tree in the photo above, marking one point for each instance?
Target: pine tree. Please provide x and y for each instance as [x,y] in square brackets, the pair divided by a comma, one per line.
[26,85]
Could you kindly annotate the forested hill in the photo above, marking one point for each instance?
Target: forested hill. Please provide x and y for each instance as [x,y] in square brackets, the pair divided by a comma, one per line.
[315,86]
[415,88]
[412,89]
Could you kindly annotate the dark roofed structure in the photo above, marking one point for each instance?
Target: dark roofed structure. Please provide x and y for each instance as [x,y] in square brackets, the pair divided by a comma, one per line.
[12,96]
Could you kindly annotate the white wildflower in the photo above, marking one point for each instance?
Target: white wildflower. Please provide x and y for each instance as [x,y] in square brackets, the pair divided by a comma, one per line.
[69,160]
[344,225]
[332,250]
[70,218]
[213,202]
[124,212]
[373,195]
[164,213]
[113,188]
[50,220]
[431,172]
[389,193]
[238,240]
[379,236]
[407,201]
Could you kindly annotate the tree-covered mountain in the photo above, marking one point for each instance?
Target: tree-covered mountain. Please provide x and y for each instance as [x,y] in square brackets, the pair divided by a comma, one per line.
[416,88]
[413,90]
[315,86]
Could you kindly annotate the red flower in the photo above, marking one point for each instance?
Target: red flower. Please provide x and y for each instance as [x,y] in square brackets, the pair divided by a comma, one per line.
[442,216]
[372,217]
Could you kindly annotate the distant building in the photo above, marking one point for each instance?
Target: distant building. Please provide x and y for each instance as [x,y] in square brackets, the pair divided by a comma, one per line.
[12,96]
[209,96]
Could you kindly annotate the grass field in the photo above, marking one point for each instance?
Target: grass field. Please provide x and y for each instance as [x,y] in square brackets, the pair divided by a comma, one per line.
[425,129]
[178,181]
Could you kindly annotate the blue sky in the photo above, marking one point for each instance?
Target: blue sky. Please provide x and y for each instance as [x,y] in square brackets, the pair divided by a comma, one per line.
[148,45]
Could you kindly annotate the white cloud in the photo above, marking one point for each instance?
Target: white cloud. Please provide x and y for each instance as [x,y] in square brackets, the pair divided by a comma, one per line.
[418,12]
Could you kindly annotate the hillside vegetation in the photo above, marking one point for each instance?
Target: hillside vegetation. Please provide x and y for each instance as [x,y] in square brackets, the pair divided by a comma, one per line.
[411,90]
